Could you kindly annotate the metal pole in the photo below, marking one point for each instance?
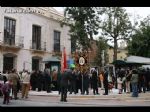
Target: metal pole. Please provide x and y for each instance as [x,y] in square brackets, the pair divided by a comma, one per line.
[82,84]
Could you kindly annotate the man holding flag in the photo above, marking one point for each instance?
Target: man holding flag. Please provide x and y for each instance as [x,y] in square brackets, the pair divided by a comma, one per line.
[64,77]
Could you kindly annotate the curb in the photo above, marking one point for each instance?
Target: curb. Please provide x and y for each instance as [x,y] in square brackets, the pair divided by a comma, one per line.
[102,97]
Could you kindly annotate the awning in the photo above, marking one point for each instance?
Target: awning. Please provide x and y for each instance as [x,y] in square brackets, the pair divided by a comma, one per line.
[119,62]
[51,59]
[138,59]
[122,63]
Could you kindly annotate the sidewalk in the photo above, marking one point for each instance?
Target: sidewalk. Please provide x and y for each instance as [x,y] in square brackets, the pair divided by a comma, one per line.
[112,95]
[55,93]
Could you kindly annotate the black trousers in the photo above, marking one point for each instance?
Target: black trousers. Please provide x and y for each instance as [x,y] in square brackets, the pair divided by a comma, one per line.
[6,98]
[33,86]
[140,86]
[73,87]
[63,93]
[48,87]
[85,89]
[95,90]
[1,94]
[106,87]
[39,86]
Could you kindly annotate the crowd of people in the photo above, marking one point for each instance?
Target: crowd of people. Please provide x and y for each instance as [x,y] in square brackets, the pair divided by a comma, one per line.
[135,80]
[13,82]
[73,81]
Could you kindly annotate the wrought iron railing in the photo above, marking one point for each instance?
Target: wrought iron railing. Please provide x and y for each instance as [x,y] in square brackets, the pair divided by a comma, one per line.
[38,46]
[13,41]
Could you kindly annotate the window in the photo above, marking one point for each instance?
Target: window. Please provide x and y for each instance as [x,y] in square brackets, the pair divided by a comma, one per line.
[56,41]
[8,63]
[9,31]
[36,37]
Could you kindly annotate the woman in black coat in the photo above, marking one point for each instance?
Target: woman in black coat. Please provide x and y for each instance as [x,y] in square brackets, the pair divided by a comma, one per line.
[94,82]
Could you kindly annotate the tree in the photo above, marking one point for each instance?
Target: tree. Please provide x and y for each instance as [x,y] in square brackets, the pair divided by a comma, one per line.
[85,23]
[139,44]
[116,25]
[102,46]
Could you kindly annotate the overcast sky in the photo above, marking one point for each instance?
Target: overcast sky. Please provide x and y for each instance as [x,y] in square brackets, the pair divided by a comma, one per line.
[142,11]
[133,11]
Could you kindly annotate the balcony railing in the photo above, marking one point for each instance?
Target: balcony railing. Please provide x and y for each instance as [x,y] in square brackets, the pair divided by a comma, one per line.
[35,46]
[13,42]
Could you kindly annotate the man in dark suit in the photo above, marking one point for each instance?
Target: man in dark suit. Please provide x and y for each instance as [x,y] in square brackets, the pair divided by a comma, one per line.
[106,81]
[64,85]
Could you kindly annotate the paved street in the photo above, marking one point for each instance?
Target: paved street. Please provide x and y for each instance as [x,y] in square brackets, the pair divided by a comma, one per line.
[41,99]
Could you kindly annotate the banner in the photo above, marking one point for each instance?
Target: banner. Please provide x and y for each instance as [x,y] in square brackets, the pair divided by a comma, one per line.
[63,60]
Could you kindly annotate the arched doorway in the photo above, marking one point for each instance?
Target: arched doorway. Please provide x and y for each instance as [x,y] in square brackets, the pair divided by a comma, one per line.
[9,61]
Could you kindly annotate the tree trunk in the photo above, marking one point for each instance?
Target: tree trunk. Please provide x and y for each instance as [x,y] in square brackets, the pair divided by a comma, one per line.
[115,49]
[115,58]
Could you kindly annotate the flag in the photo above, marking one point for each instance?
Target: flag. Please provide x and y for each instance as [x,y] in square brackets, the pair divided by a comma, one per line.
[63,60]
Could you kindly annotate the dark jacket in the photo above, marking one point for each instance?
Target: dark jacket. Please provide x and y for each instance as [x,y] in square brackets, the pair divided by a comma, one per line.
[86,80]
[134,78]
[64,79]
[106,77]
[47,78]
[33,78]
[94,79]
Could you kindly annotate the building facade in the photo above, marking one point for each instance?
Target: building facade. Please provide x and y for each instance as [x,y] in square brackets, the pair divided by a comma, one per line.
[122,54]
[29,35]
[93,53]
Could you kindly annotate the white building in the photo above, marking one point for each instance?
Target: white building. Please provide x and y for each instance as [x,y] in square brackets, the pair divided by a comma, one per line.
[29,35]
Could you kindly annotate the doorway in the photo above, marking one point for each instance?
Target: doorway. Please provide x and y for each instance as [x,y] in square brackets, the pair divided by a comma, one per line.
[8,63]
[35,64]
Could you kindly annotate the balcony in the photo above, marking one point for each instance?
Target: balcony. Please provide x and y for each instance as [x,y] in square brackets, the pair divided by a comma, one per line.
[56,53]
[38,48]
[12,43]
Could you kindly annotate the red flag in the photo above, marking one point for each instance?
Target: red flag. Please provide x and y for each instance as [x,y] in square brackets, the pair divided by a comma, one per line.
[63,60]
